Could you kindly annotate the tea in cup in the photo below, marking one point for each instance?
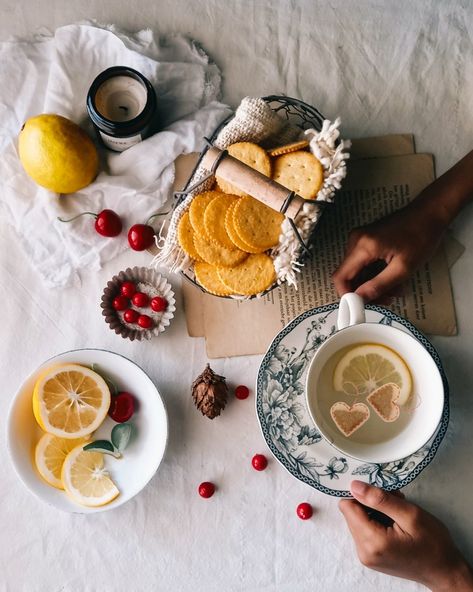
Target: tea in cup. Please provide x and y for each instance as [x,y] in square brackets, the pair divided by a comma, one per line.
[373,391]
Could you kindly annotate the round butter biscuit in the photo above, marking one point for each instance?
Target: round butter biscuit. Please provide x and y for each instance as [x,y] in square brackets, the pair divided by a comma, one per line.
[207,277]
[233,234]
[214,220]
[252,155]
[216,255]
[257,225]
[300,172]
[287,148]
[185,237]
[197,210]
[256,274]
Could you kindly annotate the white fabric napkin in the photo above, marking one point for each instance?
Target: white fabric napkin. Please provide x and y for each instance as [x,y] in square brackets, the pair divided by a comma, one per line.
[52,74]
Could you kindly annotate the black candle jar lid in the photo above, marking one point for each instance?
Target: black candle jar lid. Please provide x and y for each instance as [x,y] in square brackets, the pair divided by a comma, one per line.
[121,128]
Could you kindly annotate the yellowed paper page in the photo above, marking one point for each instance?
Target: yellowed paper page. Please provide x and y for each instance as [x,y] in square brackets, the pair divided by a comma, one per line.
[392,145]
[453,249]
[192,296]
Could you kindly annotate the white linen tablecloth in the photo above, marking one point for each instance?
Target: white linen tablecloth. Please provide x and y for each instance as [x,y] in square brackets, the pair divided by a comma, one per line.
[52,74]
[384,67]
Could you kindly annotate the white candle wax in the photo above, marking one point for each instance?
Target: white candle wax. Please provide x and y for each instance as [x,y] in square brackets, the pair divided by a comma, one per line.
[121,98]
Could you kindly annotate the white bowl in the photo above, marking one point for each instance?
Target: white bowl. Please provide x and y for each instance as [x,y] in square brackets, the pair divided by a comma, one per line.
[141,458]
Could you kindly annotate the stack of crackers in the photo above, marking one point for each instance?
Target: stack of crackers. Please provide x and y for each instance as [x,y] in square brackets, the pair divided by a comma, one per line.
[229,234]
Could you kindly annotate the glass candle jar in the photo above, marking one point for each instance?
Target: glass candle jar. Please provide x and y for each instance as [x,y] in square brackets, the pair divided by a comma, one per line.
[122,104]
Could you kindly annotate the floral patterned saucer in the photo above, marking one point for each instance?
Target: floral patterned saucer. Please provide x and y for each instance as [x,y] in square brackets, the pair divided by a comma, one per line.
[286,423]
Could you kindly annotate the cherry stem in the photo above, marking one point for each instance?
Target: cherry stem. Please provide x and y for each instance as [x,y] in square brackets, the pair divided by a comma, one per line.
[78,216]
[156,215]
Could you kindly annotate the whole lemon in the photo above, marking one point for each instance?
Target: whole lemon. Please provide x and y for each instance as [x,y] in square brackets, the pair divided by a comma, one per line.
[57,154]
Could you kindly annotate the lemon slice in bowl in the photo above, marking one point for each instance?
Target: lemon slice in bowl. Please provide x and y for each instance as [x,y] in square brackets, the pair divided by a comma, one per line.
[85,478]
[366,367]
[70,401]
[49,455]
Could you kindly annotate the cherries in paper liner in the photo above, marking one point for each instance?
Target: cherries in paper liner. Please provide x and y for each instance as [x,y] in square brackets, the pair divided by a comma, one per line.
[138,303]
[130,315]
[139,299]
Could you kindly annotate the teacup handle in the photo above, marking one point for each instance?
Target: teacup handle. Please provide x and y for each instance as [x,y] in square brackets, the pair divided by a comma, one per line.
[351,311]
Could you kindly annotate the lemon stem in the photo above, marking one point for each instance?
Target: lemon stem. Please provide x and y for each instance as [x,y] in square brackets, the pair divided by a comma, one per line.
[78,216]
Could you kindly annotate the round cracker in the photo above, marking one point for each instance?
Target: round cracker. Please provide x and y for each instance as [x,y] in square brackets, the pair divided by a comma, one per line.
[185,237]
[258,225]
[207,277]
[214,220]
[233,234]
[287,148]
[256,274]
[300,172]
[252,155]
[216,255]
[197,210]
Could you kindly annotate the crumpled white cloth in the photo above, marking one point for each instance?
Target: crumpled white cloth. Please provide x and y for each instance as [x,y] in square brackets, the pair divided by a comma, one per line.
[52,74]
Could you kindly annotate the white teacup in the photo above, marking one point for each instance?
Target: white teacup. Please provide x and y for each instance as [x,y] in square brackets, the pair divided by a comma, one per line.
[385,442]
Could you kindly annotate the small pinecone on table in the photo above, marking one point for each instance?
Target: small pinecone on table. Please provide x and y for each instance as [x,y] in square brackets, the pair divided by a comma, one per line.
[210,392]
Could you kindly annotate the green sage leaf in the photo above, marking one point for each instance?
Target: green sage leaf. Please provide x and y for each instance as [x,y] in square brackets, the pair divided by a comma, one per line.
[103,446]
[121,435]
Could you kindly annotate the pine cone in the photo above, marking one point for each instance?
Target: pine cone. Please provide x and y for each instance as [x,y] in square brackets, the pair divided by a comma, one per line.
[210,392]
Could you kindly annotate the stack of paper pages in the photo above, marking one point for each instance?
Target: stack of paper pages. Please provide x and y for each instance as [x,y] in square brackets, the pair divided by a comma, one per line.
[385,173]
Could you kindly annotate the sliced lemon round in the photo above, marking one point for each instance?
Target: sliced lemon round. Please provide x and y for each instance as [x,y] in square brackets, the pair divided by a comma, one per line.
[49,456]
[70,401]
[85,478]
[366,367]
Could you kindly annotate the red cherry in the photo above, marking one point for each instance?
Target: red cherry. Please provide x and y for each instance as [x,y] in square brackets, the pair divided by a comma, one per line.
[122,407]
[304,511]
[107,223]
[140,300]
[242,392]
[259,462]
[206,489]
[128,289]
[145,321]
[140,237]
[158,304]
[120,303]
[131,315]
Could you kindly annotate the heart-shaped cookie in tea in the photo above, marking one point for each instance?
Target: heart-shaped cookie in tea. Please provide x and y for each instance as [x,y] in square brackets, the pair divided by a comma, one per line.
[349,419]
[384,401]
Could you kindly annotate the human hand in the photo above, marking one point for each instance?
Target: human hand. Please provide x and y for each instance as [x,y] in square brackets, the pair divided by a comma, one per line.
[416,547]
[402,241]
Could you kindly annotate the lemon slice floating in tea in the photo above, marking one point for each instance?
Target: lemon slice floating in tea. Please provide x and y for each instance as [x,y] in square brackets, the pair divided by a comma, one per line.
[366,367]
[70,401]
[85,478]
[50,454]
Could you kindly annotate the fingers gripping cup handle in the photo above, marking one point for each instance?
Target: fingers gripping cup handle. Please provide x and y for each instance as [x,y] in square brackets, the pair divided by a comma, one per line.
[351,311]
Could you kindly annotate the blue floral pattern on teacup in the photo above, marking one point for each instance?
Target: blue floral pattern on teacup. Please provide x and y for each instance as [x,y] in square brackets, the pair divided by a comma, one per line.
[285,421]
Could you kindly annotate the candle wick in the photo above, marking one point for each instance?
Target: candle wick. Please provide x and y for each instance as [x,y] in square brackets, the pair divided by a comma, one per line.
[125,109]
